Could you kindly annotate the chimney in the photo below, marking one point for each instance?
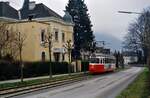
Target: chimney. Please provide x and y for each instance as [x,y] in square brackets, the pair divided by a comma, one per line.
[32,5]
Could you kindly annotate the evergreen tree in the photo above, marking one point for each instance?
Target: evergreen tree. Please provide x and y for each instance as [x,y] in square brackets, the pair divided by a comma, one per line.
[83,34]
[116,54]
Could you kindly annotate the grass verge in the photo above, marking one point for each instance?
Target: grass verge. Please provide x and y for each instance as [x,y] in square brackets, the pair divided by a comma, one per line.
[35,82]
[139,88]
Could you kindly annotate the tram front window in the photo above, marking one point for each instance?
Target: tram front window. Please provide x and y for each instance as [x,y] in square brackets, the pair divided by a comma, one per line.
[94,60]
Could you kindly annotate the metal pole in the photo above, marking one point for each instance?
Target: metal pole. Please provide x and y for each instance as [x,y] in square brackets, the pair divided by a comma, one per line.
[127,12]
[50,61]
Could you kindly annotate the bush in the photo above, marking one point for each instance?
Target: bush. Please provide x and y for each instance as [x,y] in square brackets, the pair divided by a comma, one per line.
[9,70]
[42,68]
[12,70]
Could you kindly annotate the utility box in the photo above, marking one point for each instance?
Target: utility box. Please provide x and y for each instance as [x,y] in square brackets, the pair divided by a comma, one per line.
[76,65]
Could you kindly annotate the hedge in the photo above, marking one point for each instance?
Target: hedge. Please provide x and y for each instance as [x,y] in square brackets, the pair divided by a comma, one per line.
[12,70]
[9,70]
[33,69]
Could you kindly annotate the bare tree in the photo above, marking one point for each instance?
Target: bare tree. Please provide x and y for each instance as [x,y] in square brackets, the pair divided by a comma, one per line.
[68,46]
[7,37]
[48,43]
[10,48]
[146,34]
[138,36]
[3,37]
[20,42]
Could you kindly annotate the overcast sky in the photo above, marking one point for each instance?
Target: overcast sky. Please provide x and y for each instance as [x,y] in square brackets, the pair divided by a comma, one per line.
[104,13]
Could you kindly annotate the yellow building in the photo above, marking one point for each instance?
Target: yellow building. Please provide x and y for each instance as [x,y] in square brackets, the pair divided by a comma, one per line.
[36,21]
[34,48]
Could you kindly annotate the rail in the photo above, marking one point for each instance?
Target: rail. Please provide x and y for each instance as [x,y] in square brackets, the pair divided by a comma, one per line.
[10,92]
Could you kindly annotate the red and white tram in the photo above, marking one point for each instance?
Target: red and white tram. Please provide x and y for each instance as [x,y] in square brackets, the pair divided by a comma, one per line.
[100,63]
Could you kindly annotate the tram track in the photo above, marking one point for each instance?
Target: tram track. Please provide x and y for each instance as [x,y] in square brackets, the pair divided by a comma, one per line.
[42,82]
[11,92]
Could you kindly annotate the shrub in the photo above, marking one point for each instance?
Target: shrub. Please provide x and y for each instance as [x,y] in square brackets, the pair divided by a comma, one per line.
[9,70]
[42,68]
[12,70]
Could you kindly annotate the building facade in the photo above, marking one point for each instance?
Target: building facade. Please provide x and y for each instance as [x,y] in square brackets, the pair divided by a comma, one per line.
[36,21]
[130,57]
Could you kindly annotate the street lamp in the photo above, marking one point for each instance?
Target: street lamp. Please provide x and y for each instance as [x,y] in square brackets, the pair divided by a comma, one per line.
[128,12]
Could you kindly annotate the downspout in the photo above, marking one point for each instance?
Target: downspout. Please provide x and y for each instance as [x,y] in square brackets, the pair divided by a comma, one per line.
[19,14]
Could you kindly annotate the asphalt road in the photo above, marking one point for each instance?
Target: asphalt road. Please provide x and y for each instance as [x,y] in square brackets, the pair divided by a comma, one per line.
[107,86]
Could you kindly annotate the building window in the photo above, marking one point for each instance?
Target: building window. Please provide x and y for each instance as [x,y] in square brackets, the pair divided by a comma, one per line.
[7,35]
[43,56]
[56,36]
[42,35]
[56,57]
[63,57]
[63,37]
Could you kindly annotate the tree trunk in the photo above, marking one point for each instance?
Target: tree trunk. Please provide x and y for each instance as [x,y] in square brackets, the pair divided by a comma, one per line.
[69,71]
[21,65]
[117,62]
[148,60]
[0,54]
[145,55]
[50,61]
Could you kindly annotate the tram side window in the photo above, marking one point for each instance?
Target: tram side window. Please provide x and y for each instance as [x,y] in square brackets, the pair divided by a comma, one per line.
[109,60]
[106,60]
[101,61]
[113,60]
[94,60]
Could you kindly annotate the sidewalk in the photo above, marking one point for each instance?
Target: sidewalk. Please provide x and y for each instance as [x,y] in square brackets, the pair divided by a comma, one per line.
[34,78]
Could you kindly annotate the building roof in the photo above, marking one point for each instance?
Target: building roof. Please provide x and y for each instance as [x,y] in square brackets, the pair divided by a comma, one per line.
[67,17]
[40,11]
[7,11]
[30,10]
